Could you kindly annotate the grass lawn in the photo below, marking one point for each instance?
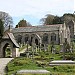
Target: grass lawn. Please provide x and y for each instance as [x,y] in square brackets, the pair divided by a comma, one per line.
[41,61]
[21,63]
[36,64]
[23,47]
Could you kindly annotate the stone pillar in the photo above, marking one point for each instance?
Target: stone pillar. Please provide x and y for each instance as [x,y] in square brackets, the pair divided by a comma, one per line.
[60,37]
[17,52]
[1,53]
[57,39]
[27,45]
[32,51]
[22,40]
[14,52]
[29,39]
[45,47]
[39,48]
[49,39]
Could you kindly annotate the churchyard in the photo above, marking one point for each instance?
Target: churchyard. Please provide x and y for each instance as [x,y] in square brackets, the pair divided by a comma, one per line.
[39,58]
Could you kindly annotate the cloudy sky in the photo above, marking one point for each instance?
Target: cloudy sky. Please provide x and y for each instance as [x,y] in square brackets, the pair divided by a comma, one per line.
[34,10]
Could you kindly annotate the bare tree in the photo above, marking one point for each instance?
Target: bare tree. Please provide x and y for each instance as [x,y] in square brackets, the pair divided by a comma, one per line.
[7,19]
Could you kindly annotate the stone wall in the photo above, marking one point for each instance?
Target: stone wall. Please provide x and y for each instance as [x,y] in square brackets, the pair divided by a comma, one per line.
[61,31]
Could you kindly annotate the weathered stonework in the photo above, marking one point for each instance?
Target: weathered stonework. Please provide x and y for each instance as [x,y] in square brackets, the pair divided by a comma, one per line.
[8,39]
[45,34]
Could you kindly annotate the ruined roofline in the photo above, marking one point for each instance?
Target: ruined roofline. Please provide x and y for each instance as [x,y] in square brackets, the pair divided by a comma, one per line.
[41,26]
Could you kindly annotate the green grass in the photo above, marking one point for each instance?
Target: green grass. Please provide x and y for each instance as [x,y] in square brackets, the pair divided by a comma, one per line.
[41,61]
[21,63]
[23,47]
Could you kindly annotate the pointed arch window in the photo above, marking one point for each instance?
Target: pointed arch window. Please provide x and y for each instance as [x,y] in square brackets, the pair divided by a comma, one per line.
[45,38]
[26,38]
[53,37]
[19,39]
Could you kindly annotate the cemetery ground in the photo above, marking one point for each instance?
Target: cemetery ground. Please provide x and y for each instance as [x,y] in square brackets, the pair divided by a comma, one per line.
[40,59]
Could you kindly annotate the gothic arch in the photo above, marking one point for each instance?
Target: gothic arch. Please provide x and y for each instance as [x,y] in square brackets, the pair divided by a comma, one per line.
[53,37]
[19,39]
[26,38]
[7,51]
[45,38]
[36,39]
[5,44]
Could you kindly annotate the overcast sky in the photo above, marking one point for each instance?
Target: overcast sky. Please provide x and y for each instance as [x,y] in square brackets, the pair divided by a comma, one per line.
[34,10]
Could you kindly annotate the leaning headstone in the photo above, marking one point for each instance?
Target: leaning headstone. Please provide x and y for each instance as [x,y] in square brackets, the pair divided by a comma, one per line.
[45,49]
[53,51]
[27,45]
[21,45]
[36,49]
[40,48]
[27,54]
[71,50]
[61,50]
[32,51]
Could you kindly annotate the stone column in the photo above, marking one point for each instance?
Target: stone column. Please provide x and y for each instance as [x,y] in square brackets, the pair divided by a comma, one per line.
[57,38]
[14,52]
[29,38]
[27,45]
[22,40]
[1,53]
[60,37]
[17,52]
[49,39]
[45,47]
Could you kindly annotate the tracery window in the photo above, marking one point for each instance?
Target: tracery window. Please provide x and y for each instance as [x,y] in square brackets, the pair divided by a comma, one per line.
[45,38]
[19,39]
[53,37]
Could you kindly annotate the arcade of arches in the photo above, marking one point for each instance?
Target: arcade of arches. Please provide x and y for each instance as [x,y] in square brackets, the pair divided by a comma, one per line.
[45,34]
[37,39]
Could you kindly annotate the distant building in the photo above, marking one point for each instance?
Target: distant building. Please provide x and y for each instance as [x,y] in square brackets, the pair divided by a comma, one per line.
[45,34]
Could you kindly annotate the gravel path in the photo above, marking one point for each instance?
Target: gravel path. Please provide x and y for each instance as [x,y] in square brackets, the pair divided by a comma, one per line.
[3,63]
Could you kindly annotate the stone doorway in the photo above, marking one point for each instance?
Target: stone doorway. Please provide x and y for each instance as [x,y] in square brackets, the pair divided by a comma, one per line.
[7,51]
[36,41]
[8,46]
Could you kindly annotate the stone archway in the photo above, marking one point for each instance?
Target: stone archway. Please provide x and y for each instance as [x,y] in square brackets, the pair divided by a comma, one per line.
[19,38]
[26,39]
[36,39]
[8,39]
[5,44]
[7,51]
[45,38]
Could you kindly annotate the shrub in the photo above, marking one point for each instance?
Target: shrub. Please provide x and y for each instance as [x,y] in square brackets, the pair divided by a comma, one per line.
[22,54]
[54,68]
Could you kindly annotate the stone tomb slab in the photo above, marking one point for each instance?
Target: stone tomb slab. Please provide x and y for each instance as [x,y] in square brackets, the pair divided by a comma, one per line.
[33,72]
[61,62]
